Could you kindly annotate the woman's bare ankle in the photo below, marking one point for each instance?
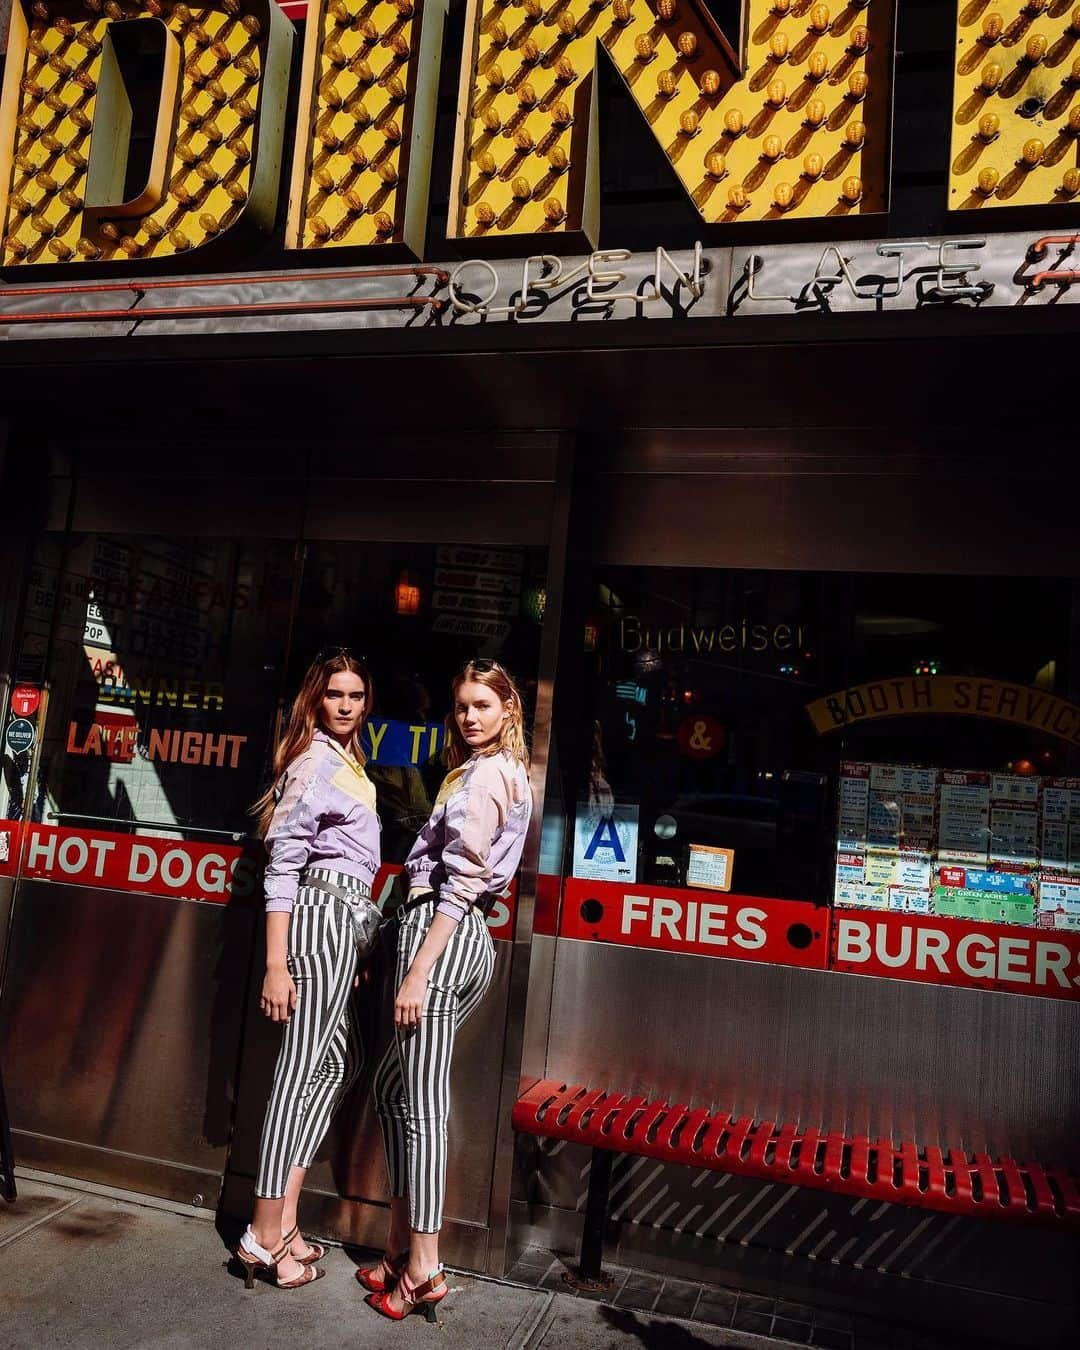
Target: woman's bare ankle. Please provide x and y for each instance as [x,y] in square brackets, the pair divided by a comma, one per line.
[268,1239]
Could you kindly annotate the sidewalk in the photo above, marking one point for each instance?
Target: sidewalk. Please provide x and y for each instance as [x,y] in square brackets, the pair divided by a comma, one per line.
[79,1269]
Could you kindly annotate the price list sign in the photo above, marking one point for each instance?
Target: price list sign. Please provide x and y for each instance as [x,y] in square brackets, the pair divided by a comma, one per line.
[885,837]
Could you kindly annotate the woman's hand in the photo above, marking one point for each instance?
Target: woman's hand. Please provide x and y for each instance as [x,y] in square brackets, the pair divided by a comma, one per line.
[409,1003]
[278,997]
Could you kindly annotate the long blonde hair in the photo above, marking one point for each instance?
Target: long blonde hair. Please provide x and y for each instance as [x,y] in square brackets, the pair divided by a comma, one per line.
[304,718]
[501,683]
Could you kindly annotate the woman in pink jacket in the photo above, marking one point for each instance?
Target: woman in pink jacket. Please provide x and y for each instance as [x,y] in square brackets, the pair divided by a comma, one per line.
[465,859]
[322,834]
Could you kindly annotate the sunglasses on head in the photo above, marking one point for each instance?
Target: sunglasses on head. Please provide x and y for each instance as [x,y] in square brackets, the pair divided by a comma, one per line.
[328,654]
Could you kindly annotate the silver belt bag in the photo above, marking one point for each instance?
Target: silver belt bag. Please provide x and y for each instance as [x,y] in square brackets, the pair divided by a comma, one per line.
[367,917]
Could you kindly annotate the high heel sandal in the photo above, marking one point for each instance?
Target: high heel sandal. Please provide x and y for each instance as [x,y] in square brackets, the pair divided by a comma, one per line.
[318,1251]
[414,1297]
[374,1283]
[257,1260]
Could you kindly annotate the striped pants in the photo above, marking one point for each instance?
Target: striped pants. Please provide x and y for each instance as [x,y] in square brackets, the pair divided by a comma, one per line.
[412,1083]
[321,1053]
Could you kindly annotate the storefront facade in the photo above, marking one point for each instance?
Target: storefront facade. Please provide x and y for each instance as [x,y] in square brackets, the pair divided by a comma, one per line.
[783,556]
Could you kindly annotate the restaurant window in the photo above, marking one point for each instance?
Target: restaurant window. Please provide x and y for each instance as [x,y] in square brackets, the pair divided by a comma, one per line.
[159,672]
[156,666]
[874,741]
[415,613]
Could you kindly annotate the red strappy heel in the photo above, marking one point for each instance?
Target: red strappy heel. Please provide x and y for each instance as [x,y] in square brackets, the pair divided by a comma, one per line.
[374,1283]
[414,1298]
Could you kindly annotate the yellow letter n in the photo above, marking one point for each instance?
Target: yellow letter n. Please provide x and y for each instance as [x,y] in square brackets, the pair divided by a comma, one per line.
[788,119]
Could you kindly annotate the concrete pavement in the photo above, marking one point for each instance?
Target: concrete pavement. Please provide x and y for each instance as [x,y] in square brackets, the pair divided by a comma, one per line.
[82,1269]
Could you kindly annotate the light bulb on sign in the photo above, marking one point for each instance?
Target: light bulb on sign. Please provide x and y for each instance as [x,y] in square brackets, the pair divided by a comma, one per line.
[820,19]
[988,181]
[989,127]
[816,113]
[1033,153]
[817,67]
[993,25]
[858,86]
[991,76]
[776,94]
[854,135]
[1036,49]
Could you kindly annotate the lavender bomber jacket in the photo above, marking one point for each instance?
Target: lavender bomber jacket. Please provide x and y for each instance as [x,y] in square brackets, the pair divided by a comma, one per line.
[325,817]
[471,847]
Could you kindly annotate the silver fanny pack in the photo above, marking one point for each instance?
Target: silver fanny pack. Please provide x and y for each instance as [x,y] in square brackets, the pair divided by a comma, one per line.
[367,917]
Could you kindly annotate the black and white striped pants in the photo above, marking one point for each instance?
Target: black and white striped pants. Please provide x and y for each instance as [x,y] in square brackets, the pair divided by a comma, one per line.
[321,1053]
[412,1083]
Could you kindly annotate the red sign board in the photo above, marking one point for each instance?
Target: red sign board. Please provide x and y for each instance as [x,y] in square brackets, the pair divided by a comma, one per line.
[699,923]
[25,700]
[958,952]
[216,873]
[127,862]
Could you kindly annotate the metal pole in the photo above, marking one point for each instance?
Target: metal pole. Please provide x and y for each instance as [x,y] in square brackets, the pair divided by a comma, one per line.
[589,1275]
[7,1153]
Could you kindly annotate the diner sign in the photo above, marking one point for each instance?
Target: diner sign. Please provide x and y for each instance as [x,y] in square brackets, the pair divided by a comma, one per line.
[739,927]
[948,696]
[781,118]
[932,950]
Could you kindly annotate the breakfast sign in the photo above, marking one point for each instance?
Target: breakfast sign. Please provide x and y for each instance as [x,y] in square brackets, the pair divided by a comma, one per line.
[780,114]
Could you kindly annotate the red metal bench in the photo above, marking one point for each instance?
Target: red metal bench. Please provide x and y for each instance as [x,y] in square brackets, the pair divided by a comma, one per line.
[610,1122]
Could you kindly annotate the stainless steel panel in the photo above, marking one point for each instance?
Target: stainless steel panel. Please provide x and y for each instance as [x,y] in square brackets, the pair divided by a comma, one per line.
[214,505]
[119,1030]
[530,983]
[434,512]
[350,1164]
[962,1067]
[775,518]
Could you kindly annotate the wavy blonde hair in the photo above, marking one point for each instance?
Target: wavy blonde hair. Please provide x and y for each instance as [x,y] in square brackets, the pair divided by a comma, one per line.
[304,718]
[501,683]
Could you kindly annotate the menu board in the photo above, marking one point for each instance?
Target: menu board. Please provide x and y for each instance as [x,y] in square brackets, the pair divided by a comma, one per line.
[885,836]
[999,848]
[1059,857]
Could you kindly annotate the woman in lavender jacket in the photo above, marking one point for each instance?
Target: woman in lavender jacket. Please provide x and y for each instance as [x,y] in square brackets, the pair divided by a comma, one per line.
[464,859]
[322,834]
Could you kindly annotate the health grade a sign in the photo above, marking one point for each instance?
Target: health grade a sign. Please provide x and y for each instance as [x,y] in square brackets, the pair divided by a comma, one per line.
[779,113]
